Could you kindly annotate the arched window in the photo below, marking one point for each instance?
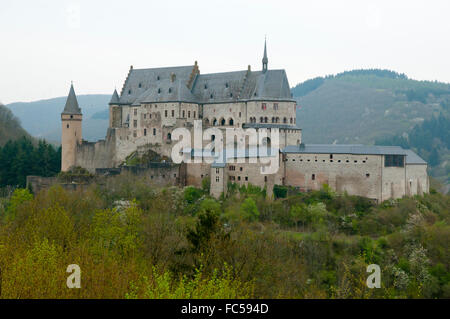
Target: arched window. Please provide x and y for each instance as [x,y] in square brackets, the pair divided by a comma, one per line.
[267,142]
[214,122]
[277,120]
[284,120]
[222,121]
[265,119]
[291,120]
[231,122]
[207,121]
[169,136]
[261,120]
[273,120]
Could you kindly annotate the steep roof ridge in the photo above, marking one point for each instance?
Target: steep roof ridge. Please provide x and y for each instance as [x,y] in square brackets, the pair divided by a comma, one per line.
[126,80]
[71,106]
[247,74]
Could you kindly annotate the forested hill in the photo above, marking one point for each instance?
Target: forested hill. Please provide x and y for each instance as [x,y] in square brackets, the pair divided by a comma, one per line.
[43,118]
[378,106]
[363,105]
[10,128]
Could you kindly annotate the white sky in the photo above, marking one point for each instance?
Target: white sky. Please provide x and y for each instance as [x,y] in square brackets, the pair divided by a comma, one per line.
[46,44]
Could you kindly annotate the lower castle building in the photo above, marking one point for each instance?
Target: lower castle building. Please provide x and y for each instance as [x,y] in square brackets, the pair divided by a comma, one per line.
[154,102]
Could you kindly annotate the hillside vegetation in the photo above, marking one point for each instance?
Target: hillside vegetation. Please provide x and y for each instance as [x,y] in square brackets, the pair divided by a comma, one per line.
[135,241]
[43,118]
[24,156]
[378,106]
[10,128]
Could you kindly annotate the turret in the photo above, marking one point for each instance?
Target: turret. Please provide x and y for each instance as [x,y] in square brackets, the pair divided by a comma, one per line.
[265,60]
[115,111]
[71,119]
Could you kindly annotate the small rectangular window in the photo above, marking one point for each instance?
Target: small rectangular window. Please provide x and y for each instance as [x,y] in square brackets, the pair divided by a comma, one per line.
[145,132]
[313,177]
[394,161]
[173,113]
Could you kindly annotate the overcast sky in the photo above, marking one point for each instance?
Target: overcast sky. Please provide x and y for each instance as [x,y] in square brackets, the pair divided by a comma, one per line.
[46,44]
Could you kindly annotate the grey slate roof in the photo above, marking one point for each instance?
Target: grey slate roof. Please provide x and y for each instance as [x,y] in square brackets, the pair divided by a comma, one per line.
[271,125]
[114,98]
[413,158]
[71,106]
[357,149]
[345,149]
[142,85]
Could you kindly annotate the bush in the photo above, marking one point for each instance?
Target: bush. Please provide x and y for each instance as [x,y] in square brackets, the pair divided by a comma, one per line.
[249,210]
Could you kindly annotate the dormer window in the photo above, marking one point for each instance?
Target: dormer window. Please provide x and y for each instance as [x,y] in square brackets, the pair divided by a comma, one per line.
[157,78]
[129,92]
[159,91]
[140,85]
[170,90]
[206,86]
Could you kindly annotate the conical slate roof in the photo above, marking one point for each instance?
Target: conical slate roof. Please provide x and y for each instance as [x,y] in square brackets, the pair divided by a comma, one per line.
[71,103]
[114,98]
[265,60]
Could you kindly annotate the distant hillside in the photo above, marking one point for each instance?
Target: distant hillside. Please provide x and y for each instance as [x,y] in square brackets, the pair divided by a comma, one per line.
[10,128]
[368,106]
[43,118]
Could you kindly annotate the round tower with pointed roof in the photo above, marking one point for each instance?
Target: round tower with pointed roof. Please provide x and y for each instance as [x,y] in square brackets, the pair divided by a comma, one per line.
[71,119]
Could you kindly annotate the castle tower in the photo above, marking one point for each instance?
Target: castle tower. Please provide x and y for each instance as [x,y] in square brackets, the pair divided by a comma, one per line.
[115,112]
[71,119]
[265,60]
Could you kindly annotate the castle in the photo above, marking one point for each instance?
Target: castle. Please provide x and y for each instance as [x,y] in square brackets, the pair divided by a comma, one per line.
[154,102]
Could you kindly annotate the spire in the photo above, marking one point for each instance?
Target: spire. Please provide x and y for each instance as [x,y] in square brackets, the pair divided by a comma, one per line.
[71,103]
[265,60]
[114,98]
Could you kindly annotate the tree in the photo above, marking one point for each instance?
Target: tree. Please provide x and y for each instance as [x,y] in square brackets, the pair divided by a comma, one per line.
[249,210]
